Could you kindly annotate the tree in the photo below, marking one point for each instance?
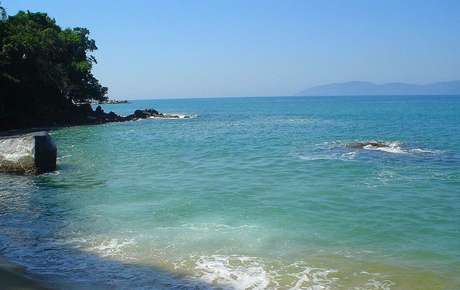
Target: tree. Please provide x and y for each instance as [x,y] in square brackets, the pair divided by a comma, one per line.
[3,14]
[44,69]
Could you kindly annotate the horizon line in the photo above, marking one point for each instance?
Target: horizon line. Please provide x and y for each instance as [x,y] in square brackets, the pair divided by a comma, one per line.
[287,96]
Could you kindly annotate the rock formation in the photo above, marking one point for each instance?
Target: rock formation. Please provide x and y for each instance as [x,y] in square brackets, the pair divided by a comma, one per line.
[28,153]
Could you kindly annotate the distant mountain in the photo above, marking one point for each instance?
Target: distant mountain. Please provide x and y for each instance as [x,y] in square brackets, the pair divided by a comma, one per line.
[357,88]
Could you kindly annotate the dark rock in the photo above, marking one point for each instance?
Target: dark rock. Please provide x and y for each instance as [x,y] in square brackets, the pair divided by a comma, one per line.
[70,114]
[144,114]
[45,153]
[152,112]
[361,145]
[99,110]
[85,108]
[113,116]
[140,114]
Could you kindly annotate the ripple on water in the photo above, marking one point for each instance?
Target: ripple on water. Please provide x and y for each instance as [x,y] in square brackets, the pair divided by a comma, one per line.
[247,196]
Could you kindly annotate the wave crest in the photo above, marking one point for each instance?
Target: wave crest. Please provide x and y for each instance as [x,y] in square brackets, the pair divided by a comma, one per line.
[338,150]
[394,147]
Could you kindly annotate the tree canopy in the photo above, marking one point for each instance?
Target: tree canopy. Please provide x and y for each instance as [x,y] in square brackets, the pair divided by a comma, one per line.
[44,68]
[2,13]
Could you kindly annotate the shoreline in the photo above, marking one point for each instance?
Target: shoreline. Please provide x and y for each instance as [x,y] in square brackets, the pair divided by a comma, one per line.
[14,277]
[84,115]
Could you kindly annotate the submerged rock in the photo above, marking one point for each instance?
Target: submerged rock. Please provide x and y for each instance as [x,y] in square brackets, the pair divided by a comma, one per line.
[361,145]
[32,153]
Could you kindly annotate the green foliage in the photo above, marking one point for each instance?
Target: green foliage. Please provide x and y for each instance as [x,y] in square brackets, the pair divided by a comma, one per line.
[43,65]
[3,15]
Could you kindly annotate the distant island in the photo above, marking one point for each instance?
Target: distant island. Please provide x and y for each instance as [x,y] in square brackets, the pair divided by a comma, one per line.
[360,88]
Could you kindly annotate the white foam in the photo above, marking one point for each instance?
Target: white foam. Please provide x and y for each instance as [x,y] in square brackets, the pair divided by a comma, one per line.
[349,155]
[379,285]
[109,247]
[331,156]
[210,272]
[16,149]
[418,150]
[183,116]
[52,173]
[396,148]
[243,272]
[317,157]
[232,272]
[63,157]
[174,116]
[390,147]
[314,279]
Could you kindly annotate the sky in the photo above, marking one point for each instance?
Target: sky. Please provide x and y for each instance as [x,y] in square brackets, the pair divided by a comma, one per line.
[172,49]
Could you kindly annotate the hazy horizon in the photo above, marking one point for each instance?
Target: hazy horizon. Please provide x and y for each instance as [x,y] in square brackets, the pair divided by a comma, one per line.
[173,49]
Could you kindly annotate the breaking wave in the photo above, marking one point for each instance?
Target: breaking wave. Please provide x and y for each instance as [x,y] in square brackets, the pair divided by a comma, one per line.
[242,272]
[175,116]
[389,147]
[338,150]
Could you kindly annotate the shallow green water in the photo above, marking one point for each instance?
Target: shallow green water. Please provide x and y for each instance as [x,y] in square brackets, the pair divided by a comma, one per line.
[250,193]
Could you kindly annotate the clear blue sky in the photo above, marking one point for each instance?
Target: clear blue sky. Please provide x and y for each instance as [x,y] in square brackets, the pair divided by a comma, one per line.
[155,49]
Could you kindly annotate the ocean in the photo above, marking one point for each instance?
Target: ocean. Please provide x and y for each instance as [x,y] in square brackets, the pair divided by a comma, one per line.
[248,193]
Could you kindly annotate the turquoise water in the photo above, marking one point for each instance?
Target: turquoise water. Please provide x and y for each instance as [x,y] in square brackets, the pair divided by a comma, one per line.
[250,193]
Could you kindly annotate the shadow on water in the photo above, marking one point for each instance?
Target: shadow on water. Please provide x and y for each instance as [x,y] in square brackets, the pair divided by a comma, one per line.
[33,220]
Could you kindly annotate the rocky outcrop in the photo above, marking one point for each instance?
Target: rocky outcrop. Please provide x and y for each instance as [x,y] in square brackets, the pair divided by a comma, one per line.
[144,114]
[99,116]
[151,113]
[361,145]
[32,153]
[76,114]
[36,152]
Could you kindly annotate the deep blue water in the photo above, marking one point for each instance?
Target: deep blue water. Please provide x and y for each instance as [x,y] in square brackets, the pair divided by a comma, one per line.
[250,193]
